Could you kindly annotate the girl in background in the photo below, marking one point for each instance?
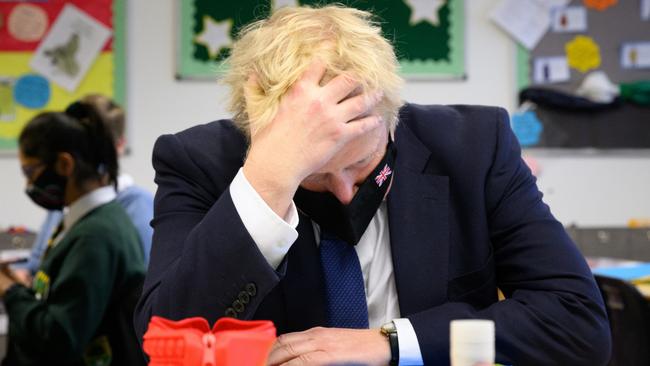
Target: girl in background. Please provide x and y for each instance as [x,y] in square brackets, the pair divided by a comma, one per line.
[136,201]
[78,310]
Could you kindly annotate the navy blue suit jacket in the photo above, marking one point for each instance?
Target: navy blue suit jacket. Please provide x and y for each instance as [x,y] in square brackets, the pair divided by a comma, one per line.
[465,217]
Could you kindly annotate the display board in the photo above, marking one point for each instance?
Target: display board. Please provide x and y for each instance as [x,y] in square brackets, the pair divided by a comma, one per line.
[54,52]
[428,35]
[586,36]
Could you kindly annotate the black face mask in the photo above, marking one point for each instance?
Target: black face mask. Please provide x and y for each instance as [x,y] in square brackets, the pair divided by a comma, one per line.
[48,190]
[349,222]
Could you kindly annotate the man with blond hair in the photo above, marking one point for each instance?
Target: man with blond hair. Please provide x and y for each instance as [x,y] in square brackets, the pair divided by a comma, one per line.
[359,225]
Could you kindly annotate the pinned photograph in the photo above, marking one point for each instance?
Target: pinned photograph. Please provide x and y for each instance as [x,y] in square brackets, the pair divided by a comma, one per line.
[635,55]
[569,19]
[70,48]
[553,69]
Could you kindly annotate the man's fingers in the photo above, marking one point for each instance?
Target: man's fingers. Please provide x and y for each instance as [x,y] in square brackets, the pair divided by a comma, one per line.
[340,88]
[287,349]
[315,358]
[314,73]
[358,127]
[358,106]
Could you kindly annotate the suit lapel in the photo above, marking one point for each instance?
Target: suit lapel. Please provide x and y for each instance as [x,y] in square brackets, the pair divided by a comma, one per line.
[303,284]
[418,215]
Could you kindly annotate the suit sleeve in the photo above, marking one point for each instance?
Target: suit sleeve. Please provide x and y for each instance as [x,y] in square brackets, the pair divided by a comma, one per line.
[553,313]
[203,260]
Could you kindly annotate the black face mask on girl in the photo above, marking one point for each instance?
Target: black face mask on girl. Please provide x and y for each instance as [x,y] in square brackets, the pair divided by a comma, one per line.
[349,222]
[48,190]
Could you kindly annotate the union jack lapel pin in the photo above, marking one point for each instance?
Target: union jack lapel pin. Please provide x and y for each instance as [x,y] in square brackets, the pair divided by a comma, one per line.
[383,175]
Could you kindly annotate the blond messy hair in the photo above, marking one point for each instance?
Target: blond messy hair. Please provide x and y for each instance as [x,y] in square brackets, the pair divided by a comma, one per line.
[277,51]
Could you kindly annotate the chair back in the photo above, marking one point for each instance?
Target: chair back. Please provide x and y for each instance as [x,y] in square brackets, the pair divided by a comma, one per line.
[629,320]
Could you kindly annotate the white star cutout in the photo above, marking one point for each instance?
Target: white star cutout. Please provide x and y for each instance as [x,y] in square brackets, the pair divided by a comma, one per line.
[425,10]
[277,4]
[215,35]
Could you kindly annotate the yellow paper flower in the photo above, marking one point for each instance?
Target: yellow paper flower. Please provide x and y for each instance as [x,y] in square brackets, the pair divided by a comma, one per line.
[583,53]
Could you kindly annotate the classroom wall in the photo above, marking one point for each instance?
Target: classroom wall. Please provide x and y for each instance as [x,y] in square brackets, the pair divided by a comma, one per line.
[588,189]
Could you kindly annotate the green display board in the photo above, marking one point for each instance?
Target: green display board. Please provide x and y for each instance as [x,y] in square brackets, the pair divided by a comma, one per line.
[428,44]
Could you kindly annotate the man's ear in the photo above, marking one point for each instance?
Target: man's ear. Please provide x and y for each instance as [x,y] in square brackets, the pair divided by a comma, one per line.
[64,164]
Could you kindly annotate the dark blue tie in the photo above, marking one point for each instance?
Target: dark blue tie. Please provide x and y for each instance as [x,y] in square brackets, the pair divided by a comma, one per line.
[344,290]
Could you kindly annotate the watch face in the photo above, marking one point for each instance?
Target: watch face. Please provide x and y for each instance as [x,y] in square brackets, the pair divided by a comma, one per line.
[388,328]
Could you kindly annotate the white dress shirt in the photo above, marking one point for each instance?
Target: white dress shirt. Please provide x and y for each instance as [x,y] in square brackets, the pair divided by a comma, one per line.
[275,235]
[82,206]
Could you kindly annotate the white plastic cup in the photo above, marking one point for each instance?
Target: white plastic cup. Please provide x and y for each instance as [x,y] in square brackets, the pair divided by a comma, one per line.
[471,342]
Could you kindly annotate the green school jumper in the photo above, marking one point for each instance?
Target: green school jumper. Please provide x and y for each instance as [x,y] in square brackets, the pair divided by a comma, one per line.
[75,312]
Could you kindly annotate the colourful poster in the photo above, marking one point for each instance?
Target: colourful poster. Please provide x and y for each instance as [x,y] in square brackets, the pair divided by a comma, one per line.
[26,91]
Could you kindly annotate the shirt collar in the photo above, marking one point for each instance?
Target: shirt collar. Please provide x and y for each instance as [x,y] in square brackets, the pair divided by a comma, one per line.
[124,181]
[87,203]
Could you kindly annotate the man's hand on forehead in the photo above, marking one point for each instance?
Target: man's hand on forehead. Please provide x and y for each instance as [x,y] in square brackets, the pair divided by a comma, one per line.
[312,124]
[341,91]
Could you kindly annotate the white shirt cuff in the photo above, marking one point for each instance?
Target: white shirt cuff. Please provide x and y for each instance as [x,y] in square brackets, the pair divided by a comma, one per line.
[409,348]
[272,234]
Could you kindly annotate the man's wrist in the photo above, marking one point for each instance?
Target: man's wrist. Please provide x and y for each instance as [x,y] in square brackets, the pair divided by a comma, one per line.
[274,187]
[390,332]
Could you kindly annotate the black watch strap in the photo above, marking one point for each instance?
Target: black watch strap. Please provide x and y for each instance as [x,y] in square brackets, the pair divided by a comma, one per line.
[394,349]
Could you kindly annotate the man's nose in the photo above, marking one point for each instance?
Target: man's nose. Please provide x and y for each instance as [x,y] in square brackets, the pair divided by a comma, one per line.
[343,188]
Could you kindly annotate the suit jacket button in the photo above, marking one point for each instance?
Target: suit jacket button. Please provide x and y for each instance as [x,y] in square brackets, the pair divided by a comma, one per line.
[244,297]
[238,306]
[251,289]
[230,312]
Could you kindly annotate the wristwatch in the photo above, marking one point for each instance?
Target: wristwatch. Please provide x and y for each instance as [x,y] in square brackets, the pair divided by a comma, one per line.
[390,331]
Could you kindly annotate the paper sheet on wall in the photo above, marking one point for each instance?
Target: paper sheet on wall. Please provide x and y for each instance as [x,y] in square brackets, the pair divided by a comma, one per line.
[525,20]
[553,69]
[7,105]
[569,19]
[635,55]
[645,9]
[69,49]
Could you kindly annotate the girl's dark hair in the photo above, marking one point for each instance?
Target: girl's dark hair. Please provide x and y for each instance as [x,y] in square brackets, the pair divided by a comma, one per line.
[82,133]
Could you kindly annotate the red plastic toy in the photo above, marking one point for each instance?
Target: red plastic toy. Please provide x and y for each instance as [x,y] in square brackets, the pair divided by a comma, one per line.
[190,342]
